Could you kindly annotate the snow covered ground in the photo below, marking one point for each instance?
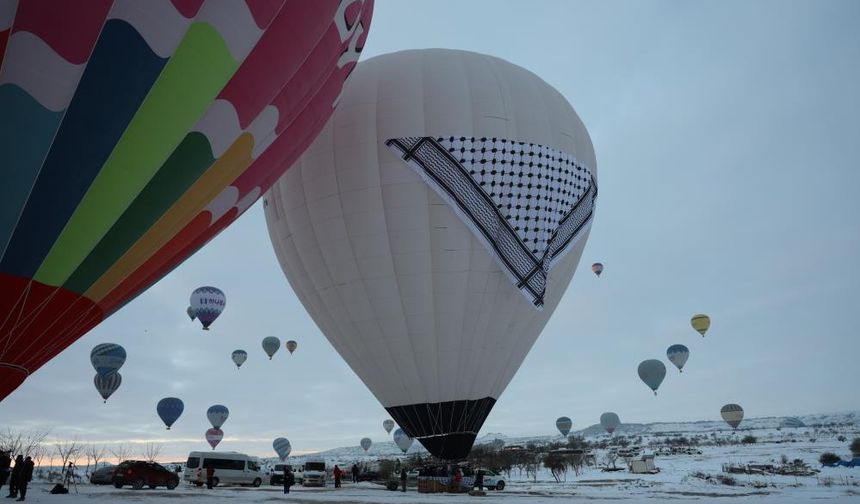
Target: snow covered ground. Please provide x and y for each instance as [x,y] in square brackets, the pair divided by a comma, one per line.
[675,483]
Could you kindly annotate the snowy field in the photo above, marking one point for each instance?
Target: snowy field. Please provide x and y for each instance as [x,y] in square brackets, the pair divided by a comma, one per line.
[675,483]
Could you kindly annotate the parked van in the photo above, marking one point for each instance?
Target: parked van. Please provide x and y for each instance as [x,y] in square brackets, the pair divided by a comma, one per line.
[277,475]
[314,473]
[231,468]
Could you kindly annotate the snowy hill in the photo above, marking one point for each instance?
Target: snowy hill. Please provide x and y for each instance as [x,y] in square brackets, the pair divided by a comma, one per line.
[390,450]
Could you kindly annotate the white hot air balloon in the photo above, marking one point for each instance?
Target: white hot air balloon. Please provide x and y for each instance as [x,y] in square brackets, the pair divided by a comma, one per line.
[432,227]
[402,440]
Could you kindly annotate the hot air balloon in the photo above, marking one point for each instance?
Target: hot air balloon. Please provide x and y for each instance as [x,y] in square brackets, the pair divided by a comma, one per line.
[191,313]
[291,346]
[208,303]
[701,323]
[169,409]
[388,425]
[131,137]
[282,447]
[652,372]
[597,268]
[217,415]
[239,357]
[107,385]
[214,436]
[462,222]
[732,414]
[610,421]
[271,345]
[563,424]
[365,443]
[678,355]
[402,440]
[107,358]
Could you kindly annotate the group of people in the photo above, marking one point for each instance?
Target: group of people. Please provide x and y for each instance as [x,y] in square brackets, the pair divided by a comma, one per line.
[18,476]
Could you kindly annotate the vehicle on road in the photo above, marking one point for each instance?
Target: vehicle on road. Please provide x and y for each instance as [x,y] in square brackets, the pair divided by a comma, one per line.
[231,468]
[138,474]
[102,475]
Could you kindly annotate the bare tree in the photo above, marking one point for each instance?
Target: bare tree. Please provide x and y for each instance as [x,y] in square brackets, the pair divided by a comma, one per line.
[120,452]
[151,451]
[95,453]
[39,454]
[68,451]
[21,442]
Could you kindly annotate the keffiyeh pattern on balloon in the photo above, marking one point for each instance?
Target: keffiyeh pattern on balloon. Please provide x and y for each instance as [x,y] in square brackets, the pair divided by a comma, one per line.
[527,203]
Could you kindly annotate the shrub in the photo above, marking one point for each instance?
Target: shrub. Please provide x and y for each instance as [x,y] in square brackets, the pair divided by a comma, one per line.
[726,480]
[829,458]
[749,439]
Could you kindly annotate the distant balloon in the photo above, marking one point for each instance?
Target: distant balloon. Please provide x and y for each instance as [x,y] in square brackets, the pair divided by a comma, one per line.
[388,425]
[217,415]
[107,385]
[652,372]
[207,303]
[365,443]
[214,436]
[271,345]
[282,447]
[402,441]
[191,313]
[563,424]
[292,345]
[610,421]
[678,355]
[732,414]
[701,323]
[597,268]
[107,358]
[169,409]
[239,357]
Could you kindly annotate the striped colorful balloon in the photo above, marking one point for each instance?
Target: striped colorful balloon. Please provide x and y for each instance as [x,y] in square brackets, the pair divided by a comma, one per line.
[107,358]
[131,136]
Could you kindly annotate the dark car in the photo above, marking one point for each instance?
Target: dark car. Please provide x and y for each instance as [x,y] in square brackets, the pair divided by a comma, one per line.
[102,476]
[138,473]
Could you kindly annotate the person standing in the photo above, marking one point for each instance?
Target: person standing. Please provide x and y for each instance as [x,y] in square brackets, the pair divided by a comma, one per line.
[13,478]
[24,478]
[5,462]
[289,479]
[355,472]
[210,477]
[338,474]
[403,478]
[479,480]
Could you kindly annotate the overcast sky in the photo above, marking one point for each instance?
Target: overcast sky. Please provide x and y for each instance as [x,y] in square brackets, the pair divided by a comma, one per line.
[727,139]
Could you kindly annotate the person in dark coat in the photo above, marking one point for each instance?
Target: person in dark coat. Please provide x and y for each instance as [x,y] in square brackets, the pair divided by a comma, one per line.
[403,478]
[355,473]
[479,480]
[338,474]
[13,478]
[210,477]
[289,479]
[24,477]
[5,462]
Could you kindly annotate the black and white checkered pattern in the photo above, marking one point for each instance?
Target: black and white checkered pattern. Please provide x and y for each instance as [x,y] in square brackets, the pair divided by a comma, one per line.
[527,202]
